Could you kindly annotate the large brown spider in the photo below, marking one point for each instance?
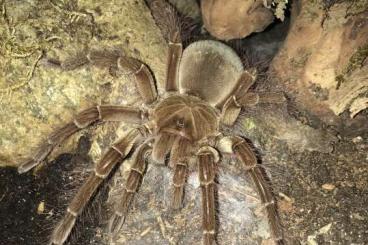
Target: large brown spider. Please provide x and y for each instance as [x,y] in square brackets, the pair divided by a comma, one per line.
[206,87]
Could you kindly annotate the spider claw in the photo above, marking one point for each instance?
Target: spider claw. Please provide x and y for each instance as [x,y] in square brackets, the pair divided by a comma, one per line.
[26,166]
[115,224]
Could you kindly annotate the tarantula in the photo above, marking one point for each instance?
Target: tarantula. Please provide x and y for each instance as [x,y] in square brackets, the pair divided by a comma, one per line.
[206,87]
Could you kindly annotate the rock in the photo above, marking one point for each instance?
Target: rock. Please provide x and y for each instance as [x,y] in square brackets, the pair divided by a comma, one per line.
[328,187]
[322,63]
[37,97]
[235,18]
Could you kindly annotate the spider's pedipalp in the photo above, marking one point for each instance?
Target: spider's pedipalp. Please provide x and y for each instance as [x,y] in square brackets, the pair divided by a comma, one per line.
[232,107]
[111,158]
[162,146]
[246,80]
[247,157]
[82,120]
[271,97]
[243,98]
[130,188]
[207,174]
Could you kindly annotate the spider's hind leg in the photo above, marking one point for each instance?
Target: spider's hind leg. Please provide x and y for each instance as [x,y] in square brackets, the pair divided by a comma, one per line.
[247,157]
[113,156]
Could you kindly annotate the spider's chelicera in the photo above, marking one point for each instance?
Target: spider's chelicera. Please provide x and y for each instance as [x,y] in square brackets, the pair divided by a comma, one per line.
[206,87]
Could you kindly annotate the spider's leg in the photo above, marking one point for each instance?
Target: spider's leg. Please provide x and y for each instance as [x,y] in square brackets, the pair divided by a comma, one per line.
[122,65]
[251,99]
[245,98]
[143,77]
[113,156]
[246,80]
[231,107]
[167,20]
[247,157]
[207,158]
[173,62]
[131,187]
[162,146]
[179,162]
[242,98]
[271,97]
[81,121]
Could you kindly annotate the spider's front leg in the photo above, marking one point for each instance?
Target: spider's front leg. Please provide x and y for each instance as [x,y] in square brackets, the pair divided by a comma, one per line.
[173,61]
[121,65]
[207,159]
[82,120]
[248,158]
[113,156]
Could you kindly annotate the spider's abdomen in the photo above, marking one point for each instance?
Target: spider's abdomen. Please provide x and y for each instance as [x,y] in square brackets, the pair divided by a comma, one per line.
[186,116]
[209,70]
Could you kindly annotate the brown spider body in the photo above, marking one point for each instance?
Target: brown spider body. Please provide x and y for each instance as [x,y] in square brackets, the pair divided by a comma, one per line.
[186,116]
[206,86]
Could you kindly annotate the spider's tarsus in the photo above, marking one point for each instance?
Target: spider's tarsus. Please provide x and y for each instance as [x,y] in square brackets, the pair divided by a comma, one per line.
[115,224]
[37,158]
[27,165]
[209,238]
[63,229]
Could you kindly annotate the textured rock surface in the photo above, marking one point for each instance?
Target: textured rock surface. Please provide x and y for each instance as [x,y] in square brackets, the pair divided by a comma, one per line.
[235,18]
[327,50]
[33,104]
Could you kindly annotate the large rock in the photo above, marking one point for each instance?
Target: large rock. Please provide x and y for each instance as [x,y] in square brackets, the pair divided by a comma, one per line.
[37,97]
[323,61]
[233,19]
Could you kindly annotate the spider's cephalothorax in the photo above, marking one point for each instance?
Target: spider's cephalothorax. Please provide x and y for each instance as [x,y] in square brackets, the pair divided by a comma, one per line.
[205,89]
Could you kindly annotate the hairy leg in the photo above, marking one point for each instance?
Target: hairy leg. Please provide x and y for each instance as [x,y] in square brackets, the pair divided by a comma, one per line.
[168,21]
[131,187]
[81,121]
[119,65]
[173,62]
[207,158]
[247,157]
[113,156]
[179,162]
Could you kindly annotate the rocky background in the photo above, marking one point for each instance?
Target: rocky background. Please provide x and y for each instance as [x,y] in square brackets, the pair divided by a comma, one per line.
[314,147]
